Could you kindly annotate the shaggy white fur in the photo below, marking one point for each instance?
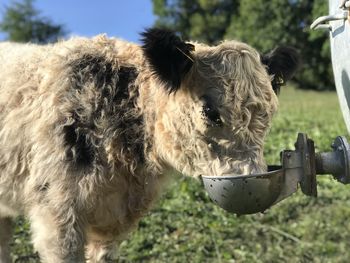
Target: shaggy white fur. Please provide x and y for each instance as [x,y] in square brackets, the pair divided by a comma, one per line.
[89,132]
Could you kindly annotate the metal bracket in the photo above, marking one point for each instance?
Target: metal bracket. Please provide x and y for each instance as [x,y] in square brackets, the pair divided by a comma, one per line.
[299,168]
[344,4]
[321,22]
[306,147]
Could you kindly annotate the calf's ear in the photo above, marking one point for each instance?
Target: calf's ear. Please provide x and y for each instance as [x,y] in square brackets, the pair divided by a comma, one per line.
[282,63]
[170,57]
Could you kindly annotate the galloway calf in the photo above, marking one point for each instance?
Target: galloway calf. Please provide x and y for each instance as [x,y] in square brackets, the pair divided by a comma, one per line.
[90,128]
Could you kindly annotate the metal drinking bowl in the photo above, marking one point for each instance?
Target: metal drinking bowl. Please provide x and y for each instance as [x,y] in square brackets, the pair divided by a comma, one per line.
[253,193]
[245,194]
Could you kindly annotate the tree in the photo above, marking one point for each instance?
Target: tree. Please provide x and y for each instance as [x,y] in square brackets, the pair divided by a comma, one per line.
[23,23]
[262,24]
[202,20]
[267,24]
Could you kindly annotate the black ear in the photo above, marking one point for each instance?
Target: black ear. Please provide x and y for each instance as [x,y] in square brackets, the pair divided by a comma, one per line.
[282,63]
[169,56]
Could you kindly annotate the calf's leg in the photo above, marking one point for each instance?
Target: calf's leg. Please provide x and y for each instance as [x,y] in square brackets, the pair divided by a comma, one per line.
[5,237]
[57,239]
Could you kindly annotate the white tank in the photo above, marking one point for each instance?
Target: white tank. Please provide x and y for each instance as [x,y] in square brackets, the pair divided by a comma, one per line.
[340,49]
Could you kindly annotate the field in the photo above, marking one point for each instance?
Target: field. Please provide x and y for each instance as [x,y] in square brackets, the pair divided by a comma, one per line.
[185,226]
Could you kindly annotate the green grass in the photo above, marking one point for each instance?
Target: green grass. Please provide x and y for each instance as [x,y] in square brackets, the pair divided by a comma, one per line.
[185,226]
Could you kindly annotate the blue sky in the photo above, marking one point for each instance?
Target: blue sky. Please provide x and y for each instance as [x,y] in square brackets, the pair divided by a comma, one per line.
[120,18]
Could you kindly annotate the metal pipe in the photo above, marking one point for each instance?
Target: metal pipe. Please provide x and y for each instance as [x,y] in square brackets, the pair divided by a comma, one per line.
[329,163]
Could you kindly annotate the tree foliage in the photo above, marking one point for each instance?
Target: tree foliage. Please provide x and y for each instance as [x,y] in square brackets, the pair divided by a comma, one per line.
[203,20]
[23,23]
[262,24]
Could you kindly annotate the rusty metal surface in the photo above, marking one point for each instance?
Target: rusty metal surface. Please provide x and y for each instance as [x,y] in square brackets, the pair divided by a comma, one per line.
[305,147]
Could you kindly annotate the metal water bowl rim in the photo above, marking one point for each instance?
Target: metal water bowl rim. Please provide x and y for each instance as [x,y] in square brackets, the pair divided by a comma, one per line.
[271,170]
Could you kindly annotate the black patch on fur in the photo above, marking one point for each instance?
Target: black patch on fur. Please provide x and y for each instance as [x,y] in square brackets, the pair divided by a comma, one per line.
[282,63]
[91,67]
[130,124]
[110,114]
[81,150]
[169,56]
[126,77]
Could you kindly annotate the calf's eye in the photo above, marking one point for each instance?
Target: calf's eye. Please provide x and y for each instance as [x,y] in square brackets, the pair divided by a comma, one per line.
[211,113]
